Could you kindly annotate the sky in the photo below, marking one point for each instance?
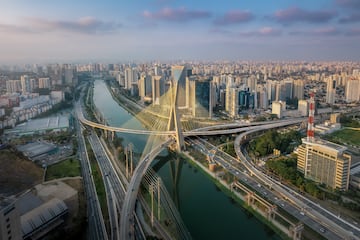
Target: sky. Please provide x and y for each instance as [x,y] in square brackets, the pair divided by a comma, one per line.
[41,31]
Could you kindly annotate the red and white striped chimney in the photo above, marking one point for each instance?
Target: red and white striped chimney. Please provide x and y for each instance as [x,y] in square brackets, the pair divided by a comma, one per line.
[310,130]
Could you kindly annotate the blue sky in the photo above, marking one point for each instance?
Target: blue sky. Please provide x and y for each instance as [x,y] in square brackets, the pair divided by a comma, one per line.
[130,30]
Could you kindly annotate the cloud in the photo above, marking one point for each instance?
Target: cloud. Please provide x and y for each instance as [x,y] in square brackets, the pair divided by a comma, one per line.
[87,25]
[262,32]
[176,15]
[353,32]
[295,14]
[220,31]
[9,28]
[329,31]
[354,4]
[355,17]
[234,17]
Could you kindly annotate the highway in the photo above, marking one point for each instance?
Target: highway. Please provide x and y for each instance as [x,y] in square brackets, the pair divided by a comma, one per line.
[115,190]
[306,211]
[240,174]
[96,226]
[336,228]
[127,219]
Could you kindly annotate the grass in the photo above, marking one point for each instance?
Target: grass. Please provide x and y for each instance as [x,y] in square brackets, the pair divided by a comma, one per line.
[67,168]
[99,184]
[347,136]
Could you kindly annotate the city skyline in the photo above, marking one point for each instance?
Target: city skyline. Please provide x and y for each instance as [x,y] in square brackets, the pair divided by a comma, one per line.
[40,31]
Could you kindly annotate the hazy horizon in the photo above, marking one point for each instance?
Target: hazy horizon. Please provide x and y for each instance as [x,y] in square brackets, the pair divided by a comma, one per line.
[160,30]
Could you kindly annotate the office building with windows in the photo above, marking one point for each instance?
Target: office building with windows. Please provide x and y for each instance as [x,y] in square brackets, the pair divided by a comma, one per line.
[324,162]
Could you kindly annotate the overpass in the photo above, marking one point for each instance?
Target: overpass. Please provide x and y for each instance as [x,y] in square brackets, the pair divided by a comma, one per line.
[337,227]
[207,131]
[127,219]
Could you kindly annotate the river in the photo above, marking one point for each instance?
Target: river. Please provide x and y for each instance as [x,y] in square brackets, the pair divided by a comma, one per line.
[206,211]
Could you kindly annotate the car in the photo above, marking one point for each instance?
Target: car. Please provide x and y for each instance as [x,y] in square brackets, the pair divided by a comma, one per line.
[302,213]
[322,230]
[237,172]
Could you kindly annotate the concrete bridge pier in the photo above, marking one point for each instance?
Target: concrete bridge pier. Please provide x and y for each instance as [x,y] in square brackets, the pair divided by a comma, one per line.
[295,231]
[250,198]
[271,211]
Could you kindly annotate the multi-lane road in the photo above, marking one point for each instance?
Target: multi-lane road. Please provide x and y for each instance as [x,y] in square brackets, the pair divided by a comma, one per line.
[127,219]
[337,227]
[96,226]
[115,191]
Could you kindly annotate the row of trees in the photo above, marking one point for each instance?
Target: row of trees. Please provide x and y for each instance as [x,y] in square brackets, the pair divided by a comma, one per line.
[272,139]
[285,169]
[348,121]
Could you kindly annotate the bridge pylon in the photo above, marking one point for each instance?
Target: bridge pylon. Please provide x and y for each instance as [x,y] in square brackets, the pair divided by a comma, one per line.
[174,123]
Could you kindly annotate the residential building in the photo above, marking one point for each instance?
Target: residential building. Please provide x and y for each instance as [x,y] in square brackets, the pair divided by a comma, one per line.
[352,90]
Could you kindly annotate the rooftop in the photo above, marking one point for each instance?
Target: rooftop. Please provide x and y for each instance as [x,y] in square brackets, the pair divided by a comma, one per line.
[323,143]
[42,215]
[35,149]
[42,124]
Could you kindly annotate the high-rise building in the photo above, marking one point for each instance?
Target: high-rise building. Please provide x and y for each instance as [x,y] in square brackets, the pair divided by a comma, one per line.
[200,97]
[178,75]
[141,85]
[330,91]
[70,77]
[271,87]
[131,76]
[284,90]
[158,88]
[244,99]
[352,90]
[25,84]
[232,101]
[261,97]
[324,162]
[44,82]
[13,86]
[252,83]
[298,89]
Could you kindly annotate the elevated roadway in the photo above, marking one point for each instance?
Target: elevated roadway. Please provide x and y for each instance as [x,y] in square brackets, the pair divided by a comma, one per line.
[127,219]
[331,226]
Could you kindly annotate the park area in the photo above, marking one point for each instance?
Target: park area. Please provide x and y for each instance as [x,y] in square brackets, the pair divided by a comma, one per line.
[66,168]
[348,136]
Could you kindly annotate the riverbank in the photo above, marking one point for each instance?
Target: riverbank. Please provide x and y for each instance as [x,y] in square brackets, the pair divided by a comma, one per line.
[224,187]
[207,212]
